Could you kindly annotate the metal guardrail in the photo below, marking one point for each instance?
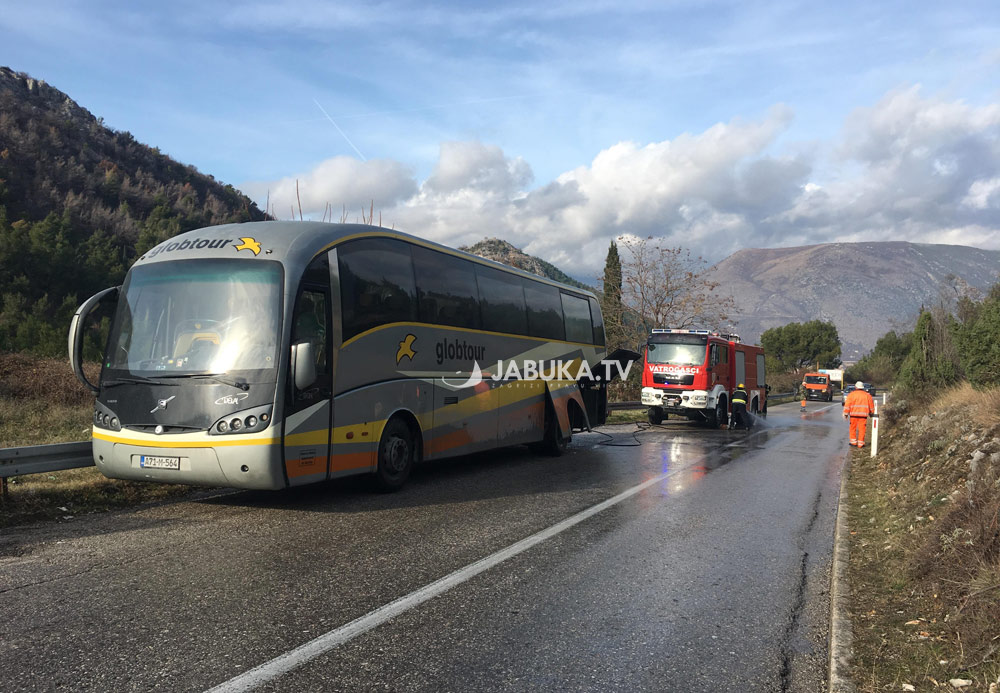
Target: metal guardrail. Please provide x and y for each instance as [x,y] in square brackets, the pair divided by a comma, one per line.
[38,459]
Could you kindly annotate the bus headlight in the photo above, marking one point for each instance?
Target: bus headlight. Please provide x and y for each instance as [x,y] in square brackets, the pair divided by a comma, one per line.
[105,418]
[248,421]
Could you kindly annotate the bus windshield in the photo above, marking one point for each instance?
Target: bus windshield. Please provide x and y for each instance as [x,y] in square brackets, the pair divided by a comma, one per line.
[197,317]
[677,350]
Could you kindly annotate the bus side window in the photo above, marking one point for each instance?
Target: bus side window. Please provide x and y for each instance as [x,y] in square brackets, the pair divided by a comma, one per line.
[577,317]
[376,284]
[545,316]
[446,289]
[501,301]
[598,320]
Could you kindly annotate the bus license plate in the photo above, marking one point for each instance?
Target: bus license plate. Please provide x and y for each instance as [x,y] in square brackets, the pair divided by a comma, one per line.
[152,462]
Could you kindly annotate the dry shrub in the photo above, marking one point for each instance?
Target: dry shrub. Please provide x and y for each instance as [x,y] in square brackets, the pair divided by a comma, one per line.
[24,377]
[983,405]
[960,560]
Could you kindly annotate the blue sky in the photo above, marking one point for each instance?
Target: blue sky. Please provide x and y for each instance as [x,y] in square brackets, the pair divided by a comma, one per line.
[560,126]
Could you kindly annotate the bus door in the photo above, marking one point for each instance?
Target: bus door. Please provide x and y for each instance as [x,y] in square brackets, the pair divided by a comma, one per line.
[308,409]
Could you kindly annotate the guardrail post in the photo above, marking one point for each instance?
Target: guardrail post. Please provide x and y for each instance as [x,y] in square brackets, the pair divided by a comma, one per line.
[875,432]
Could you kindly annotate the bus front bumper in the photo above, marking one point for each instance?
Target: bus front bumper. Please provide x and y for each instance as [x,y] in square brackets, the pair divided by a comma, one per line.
[250,467]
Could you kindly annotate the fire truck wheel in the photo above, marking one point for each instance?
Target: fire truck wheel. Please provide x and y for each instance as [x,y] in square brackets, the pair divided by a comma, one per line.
[719,415]
[656,415]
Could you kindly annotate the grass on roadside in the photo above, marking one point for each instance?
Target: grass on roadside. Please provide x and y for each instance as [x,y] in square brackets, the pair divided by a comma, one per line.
[627,416]
[925,547]
[68,494]
[41,402]
[33,422]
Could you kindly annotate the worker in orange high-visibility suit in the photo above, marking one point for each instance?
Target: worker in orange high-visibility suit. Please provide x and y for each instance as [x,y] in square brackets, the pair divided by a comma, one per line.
[858,406]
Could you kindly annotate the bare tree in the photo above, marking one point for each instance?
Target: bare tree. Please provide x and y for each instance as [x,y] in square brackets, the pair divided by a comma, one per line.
[667,287]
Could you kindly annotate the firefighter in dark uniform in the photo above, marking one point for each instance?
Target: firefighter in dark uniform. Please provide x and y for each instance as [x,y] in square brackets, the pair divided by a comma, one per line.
[740,418]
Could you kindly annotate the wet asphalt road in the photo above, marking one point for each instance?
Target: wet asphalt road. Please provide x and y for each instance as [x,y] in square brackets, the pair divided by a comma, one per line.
[713,578]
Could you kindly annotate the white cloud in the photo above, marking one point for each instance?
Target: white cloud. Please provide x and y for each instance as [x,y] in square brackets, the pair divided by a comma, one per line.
[908,168]
[343,182]
[476,166]
[983,194]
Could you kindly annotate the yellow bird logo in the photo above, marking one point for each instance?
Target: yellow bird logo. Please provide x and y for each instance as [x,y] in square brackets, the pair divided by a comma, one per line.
[249,244]
[406,348]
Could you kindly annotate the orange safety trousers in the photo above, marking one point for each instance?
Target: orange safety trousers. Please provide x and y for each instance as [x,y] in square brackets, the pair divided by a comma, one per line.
[858,426]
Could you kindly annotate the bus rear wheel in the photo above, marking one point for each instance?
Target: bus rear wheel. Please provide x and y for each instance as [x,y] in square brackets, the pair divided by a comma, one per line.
[554,443]
[395,456]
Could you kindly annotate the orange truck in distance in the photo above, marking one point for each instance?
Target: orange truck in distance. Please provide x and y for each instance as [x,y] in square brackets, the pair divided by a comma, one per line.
[817,386]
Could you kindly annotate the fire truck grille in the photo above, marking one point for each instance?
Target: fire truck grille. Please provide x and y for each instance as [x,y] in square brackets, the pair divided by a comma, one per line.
[673,379]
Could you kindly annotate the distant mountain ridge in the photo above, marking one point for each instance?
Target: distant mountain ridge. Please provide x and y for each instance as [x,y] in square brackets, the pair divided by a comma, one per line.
[503,252]
[865,289]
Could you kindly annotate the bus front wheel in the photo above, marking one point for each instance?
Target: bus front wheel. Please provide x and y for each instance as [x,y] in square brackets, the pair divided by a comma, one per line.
[395,456]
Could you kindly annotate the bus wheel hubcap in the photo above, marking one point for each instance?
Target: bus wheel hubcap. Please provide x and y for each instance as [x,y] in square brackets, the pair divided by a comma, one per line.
[396,454]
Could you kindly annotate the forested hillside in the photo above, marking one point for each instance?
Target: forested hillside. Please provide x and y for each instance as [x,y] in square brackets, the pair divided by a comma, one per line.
[78,203]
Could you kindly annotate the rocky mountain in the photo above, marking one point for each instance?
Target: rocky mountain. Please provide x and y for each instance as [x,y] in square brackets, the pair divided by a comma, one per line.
[503,252]
[865,289]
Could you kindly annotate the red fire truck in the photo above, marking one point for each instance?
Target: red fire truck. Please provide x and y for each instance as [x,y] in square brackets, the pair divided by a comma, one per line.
[693,373]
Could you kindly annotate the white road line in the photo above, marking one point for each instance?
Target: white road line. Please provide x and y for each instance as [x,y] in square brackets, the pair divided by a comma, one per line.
[324,643]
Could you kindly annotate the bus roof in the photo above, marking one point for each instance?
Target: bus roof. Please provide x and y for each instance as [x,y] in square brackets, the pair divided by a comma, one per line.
[295,244]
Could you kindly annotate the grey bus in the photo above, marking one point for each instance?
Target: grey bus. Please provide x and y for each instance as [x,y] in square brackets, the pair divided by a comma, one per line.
[272,354]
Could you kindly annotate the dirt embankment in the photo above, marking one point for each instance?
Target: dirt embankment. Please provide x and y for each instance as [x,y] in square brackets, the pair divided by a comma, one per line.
[925,547]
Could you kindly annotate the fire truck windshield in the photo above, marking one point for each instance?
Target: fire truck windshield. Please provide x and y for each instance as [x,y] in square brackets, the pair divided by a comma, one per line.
[676,350]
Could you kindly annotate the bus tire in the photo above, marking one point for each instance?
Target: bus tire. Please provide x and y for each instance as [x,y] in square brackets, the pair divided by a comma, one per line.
[656,415]
[396,453]
[554,444]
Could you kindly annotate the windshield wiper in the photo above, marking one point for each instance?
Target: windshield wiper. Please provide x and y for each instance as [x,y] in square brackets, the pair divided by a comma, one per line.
[133,379]
[217,377]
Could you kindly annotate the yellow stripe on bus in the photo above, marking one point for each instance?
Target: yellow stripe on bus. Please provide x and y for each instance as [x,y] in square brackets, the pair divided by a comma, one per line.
[206,442]
[465,329]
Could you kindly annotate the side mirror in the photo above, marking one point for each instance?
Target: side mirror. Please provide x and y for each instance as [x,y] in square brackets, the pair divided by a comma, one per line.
[77,327]
[303,365]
